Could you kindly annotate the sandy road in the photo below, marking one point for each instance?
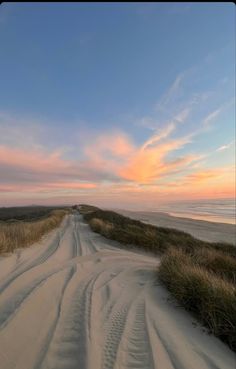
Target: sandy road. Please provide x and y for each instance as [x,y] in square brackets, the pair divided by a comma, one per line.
[77,301]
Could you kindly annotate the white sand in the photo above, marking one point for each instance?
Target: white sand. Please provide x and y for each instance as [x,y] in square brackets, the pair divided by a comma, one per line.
[201,229]
[75,301]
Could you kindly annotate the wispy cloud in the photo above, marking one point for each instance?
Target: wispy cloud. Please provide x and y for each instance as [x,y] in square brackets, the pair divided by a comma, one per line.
[171,94]
[162,134]
[177,105]
[225,147]
[178,117]
[212,116]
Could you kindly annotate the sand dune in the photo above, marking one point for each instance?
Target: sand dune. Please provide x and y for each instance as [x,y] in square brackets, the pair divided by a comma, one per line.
[201,229]
[77,300]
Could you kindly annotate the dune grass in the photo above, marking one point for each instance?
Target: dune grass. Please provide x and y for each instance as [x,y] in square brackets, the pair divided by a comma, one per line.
[23,233]
[146,236]
[200,275]
[209,297]
[86,209]
[216,262]
[27,212]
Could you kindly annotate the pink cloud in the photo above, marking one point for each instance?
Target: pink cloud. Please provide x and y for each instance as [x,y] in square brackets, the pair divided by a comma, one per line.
[37,160]
[149,163]
[109,149]
[142,164]
[47,186]
[112,168]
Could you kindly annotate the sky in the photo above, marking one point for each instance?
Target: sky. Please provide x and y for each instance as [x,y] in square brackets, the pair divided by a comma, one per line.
[116,104]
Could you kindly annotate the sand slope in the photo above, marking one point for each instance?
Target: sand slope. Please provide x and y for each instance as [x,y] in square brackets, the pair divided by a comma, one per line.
[77,301]
[204,230]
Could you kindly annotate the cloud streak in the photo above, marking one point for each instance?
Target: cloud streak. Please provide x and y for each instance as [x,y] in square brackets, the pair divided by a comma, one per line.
[225,147]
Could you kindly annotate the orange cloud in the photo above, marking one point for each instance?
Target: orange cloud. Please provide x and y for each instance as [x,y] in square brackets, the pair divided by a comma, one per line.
[149,163]
[142,164]
[47,186]
[36,171]
[204,176]
[212,183]
[109,150]
[215,183]
[113,168]
[72,185]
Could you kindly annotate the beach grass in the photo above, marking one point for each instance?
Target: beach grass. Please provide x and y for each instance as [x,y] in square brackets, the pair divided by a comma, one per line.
[28,213]
[15,234]
[146,236]
[209,297]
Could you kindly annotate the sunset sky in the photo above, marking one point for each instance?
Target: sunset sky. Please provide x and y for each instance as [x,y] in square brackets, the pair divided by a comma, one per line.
[116,104]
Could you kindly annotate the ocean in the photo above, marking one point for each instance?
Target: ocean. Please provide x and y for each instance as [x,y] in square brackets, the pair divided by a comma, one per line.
[222,210]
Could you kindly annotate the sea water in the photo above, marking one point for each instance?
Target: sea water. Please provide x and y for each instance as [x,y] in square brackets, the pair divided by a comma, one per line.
[214,210]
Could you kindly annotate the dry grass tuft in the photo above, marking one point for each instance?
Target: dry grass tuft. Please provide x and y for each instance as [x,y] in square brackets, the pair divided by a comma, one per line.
[101,227]
[23,233]
[216,262]
[86,209]
[211,298]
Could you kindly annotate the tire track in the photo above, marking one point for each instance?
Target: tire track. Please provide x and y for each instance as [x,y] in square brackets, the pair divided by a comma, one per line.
[70,345]
[10,308]
[53,328]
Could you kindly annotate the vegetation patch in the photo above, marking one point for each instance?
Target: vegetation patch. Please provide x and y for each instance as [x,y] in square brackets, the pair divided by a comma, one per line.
[23,233]
[151,238]
[208,296]
[27,213]
[86,209]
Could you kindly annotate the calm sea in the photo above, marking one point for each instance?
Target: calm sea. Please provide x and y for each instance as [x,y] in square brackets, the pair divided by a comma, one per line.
[213,210]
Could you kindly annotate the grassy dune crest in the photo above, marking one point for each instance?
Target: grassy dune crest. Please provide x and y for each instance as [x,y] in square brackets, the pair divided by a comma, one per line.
[146,236]
[200,275]
[24,233]
[27,212]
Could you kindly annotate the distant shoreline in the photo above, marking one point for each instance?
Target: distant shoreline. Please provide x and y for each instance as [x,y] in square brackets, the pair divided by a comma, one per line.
[201,229]
[204,218]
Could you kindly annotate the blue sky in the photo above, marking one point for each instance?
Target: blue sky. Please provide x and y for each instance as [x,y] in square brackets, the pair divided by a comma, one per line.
[72,73]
